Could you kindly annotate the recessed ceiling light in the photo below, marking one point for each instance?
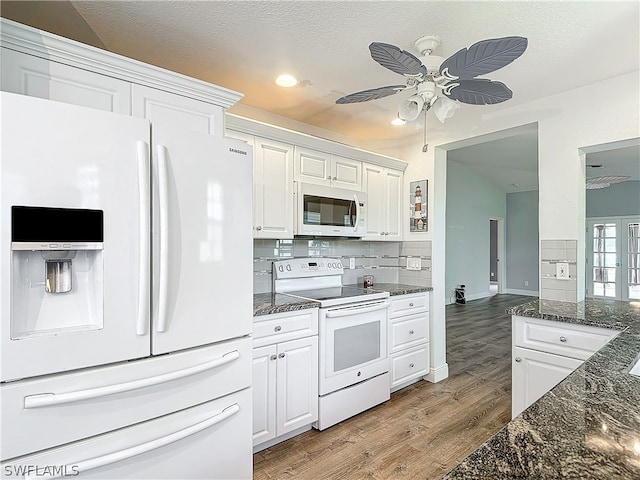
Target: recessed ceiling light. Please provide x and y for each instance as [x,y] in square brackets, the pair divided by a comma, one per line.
[516,185]
[596,165]
[398,121]
[286,80]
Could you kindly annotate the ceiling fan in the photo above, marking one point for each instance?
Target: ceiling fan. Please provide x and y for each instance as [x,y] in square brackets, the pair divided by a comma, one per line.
[441,84]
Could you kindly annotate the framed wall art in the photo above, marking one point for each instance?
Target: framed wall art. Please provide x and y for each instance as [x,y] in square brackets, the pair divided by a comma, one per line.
[418,205]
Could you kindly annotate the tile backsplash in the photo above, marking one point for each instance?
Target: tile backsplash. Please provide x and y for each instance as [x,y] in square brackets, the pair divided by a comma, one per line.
[386,261]
[557,256]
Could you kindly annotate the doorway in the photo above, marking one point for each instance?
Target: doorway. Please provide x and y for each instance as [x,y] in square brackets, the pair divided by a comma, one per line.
[613,258]
[496,272]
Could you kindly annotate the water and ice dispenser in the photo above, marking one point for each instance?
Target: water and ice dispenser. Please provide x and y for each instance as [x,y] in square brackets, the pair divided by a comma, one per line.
[56,270]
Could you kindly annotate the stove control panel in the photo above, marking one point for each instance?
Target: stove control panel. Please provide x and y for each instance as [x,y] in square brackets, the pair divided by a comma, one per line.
[307,267]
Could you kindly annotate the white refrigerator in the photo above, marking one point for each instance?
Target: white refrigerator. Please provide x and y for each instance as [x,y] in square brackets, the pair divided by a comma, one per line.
[125,296]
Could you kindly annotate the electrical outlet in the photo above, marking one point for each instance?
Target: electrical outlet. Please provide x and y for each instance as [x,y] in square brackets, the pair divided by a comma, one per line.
[414,263]
[352,263]
[526,283]
[562,271]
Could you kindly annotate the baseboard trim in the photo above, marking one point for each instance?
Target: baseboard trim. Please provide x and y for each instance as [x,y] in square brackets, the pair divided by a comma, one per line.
[436,375]
[514,291]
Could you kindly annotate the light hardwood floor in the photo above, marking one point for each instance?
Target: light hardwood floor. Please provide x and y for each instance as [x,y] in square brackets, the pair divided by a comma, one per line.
[425,429]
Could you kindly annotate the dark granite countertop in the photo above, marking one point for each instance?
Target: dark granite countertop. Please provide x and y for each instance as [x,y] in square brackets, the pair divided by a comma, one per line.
[268,303]
[587,426]
[396,288]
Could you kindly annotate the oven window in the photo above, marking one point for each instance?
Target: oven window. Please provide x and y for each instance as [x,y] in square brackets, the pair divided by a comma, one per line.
[328,211]
[356,345]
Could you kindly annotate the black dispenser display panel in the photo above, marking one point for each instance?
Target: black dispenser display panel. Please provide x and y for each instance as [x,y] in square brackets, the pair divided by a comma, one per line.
[46,224]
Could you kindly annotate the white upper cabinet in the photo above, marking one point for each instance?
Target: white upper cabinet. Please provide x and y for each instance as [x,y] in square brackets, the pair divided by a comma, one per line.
[325,169]
[384,195]
[171,109]
[37,77]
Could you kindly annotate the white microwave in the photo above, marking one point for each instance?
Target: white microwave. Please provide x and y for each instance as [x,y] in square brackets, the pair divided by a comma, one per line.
[330,212]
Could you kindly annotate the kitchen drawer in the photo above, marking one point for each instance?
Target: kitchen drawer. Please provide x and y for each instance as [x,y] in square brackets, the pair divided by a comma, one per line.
[98,400]
[280,327]
[408,331]
[408,304]
[567,339]
[409,364]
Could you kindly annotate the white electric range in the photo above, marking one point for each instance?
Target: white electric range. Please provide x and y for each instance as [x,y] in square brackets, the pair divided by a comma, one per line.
[352,336]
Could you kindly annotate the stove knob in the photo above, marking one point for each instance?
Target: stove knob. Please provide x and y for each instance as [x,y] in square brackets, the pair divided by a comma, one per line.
[280,268]
[288,268]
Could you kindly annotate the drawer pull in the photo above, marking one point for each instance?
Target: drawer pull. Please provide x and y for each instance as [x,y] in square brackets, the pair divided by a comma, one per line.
[518,359]
[411,365]
[411,332]
[273,357]
[278,328]
[563,339]
[411,304]
[48,399]
[281,355]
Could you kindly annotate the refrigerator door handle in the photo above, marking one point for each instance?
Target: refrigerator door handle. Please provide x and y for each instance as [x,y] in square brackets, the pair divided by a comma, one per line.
[144,212]
[49,399]
[163,195]
[149,446]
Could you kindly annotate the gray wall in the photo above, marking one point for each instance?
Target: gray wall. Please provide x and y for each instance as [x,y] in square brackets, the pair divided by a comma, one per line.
[521,241]
[493,251]
[471,202]
[617,200]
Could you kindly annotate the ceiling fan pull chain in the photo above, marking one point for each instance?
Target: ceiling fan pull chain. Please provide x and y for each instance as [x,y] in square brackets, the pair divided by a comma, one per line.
[425,146]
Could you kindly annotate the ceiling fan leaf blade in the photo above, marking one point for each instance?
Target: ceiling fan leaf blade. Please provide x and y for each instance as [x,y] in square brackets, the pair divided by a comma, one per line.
[371,94]
[478,92]
[484,57]
[396,60]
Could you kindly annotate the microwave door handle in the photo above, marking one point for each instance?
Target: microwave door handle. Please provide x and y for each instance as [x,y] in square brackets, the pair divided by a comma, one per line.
[355,200]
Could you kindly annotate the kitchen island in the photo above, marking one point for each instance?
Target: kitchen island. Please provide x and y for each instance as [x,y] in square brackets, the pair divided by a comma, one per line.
[587,426]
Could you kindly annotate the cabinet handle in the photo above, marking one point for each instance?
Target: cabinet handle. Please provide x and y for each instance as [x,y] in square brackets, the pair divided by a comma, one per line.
[281,355]
[410,332]
[411,365]
[278,328]
[563,339]
[335,178]
[518,359]
[411,304]
[258,228]
[273,357]
[329,177]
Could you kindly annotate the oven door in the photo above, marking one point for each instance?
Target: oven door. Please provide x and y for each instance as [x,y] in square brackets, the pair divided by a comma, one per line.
[353,344]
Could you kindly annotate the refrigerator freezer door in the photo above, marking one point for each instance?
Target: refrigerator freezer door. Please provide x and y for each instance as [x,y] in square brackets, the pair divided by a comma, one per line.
[41,413]
[66,156]
[202,240]
[211,440]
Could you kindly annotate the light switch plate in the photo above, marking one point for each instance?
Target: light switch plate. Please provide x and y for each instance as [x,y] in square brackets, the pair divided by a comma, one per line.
[414,263]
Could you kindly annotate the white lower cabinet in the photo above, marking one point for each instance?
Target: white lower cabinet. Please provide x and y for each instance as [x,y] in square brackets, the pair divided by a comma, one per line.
[408,338]
[285,377]
[545,352]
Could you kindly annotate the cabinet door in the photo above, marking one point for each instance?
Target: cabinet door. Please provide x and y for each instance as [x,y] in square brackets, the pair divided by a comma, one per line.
[393,202]
[273,189]
[346,173]
[297,397]
[534,373]
[264,393]
[176,111]
[37,77]
[312,166]
[373,184]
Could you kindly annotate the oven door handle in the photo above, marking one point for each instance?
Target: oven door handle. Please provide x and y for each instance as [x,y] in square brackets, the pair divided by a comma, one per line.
[357,310]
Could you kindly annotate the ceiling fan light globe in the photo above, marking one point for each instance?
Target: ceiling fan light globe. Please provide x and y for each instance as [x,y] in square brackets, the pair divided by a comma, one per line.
[410,108]
[445,108]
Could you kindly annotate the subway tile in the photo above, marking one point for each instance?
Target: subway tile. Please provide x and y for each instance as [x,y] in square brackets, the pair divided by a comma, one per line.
[553,254]
[553,244]
[549,294]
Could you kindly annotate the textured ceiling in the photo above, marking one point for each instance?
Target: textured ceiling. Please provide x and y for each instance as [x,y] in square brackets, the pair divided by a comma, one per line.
[244,45]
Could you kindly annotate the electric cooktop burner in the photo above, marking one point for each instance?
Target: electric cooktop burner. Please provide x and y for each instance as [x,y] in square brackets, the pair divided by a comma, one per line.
[339,295]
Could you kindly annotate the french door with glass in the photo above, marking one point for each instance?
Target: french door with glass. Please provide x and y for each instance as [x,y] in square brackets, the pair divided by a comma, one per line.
[613,258]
